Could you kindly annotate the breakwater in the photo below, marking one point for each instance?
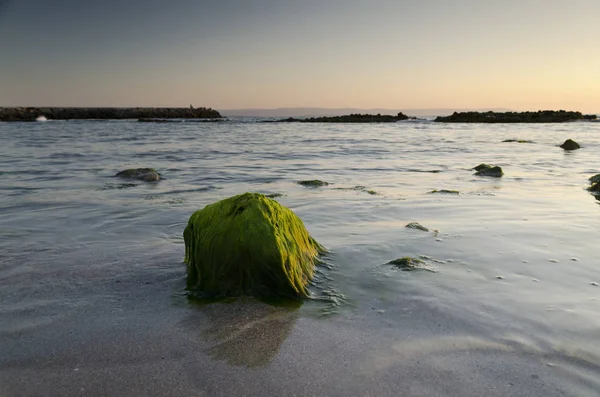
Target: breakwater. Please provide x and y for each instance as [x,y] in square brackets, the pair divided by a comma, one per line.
[75,113]
[541,116]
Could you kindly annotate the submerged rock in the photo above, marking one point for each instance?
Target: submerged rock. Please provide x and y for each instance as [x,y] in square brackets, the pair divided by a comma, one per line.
[274,195]
[517,140]
[443,191]
[417,226]
[408,264]
[313,183]
[488,170]
[359,188]
[570,145]
[249,245]
[142,174]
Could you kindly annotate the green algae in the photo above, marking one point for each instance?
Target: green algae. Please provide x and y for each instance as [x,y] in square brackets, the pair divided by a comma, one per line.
[417,226]
[443,191]
[249,245]
[313,183]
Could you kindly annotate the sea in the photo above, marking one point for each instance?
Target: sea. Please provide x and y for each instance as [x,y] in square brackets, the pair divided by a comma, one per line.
[506,302]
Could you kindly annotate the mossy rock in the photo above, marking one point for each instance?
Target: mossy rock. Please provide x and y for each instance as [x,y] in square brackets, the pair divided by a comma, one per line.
[595,179]
[595,187]
[249,245]
[407,263]
[488,170]
[313,183]
[417,226]
[142,174]
[570,145]
[443,191]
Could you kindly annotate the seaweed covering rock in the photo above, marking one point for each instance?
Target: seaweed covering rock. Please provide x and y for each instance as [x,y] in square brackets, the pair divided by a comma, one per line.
[141,174]
[249,245]
[570,145]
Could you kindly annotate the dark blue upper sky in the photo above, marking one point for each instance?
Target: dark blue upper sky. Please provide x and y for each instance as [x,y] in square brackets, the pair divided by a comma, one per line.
[267,53]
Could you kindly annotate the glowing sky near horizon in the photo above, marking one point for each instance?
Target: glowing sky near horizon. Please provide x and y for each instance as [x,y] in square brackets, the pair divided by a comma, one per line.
[522,55]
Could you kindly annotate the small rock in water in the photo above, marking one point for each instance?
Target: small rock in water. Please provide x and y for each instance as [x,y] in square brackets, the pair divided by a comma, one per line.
[500,277]
[274,195]
[595,284]
[525,261]
[517,140]
[553,260]
[444,191]
[417,226]
[535,280]
[488,170]
[142,174]
[313,183]
[408,264]
[570,145]
[594,179]
[575,259]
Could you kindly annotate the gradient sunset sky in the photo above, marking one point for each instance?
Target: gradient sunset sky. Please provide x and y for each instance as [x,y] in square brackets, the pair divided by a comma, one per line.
[522,55]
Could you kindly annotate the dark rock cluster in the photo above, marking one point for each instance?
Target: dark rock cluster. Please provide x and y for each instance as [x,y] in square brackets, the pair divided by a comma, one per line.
[541,116]
[352,118]
[62,113]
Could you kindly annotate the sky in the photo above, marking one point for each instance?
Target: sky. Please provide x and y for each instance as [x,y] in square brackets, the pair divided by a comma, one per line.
[231,54]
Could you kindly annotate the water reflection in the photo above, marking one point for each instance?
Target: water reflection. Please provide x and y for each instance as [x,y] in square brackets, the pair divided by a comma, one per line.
[245,332]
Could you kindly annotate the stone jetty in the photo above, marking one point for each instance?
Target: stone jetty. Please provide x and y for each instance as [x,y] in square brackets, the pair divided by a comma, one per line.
[75,113]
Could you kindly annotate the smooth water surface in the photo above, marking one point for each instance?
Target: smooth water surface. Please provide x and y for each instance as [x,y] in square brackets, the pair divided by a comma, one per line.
[92,298]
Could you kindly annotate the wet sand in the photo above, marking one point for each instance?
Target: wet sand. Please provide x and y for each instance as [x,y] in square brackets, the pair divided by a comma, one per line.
[155,342]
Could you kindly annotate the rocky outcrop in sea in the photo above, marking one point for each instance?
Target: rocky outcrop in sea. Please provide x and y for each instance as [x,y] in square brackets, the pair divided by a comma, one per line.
[73,113]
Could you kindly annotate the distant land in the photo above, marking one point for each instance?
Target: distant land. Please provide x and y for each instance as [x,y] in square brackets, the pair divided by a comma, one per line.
[331,112]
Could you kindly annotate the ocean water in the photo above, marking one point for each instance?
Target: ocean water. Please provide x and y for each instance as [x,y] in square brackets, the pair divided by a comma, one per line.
[92,298]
